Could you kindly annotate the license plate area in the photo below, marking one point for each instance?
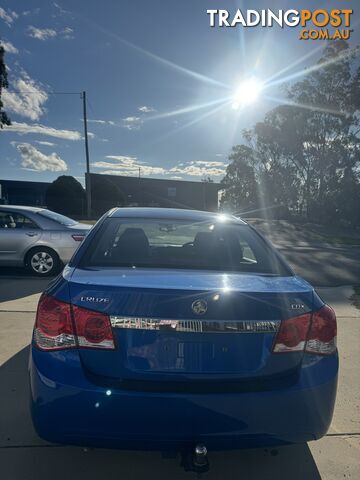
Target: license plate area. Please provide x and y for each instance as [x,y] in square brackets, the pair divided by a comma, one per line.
[207,354]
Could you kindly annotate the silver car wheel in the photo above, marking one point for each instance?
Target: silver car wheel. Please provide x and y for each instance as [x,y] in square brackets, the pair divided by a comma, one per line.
[42,262]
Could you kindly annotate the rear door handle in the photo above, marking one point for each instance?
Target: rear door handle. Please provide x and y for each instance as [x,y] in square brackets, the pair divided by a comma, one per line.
[31,234]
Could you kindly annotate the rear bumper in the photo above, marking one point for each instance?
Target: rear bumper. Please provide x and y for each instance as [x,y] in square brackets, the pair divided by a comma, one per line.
[67,408]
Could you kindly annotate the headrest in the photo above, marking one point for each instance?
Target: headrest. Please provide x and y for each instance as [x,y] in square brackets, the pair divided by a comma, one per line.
[133,243]
[205,240]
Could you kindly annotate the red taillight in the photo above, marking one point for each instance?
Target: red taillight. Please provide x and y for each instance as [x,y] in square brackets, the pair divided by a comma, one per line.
[93,329]
[56,329]
[291,336]
[314,333]
[322,335]
[78,237]
[53,326]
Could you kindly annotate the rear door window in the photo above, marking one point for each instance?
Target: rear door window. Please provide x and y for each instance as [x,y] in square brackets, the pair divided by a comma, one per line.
[16,220]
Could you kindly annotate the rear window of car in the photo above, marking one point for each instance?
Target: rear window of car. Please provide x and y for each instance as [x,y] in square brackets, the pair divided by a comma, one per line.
[179,244]
[57,217]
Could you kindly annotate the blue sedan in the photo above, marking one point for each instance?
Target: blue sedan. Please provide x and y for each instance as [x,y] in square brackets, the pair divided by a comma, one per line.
[171,329]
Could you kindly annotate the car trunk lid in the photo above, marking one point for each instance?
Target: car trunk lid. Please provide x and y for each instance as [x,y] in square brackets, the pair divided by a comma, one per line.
[178,325]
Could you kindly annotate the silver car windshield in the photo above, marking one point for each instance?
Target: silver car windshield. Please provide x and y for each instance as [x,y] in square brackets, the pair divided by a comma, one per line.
[57,217]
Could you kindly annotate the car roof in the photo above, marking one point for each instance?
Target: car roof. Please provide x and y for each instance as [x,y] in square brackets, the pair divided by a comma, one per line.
[21,207]
[170,213]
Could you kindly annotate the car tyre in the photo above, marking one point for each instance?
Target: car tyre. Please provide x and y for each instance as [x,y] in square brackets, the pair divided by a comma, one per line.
[42,262]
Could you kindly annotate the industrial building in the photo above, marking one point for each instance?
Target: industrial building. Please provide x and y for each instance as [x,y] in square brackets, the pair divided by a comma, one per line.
[108,191]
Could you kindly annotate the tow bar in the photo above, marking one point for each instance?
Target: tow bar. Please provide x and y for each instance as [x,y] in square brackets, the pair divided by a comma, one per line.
[196,460]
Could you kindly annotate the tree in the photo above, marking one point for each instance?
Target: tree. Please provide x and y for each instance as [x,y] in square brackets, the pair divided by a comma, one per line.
[105,194]
[306,151]
[4,119]
[240,185]
[327,124]
[66,195]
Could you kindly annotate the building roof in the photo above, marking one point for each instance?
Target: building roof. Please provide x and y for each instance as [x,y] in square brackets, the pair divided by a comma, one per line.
[150,180]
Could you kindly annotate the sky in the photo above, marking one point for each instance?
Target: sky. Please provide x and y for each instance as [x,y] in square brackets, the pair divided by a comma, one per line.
[159,82]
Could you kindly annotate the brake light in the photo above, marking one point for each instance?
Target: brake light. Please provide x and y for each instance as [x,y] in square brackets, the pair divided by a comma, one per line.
[291,336]
[322,335]
[78,237]
[57,327]
[53,326]
[93,329]
[315,333]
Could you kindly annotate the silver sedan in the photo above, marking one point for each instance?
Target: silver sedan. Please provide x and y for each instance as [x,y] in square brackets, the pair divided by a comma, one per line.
[37,238]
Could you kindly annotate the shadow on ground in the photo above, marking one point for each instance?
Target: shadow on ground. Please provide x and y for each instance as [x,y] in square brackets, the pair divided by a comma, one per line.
[24,456]
[325,267]
[18,283]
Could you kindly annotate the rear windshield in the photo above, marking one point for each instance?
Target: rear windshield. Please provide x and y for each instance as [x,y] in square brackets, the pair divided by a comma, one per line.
[181,245]
[57,217]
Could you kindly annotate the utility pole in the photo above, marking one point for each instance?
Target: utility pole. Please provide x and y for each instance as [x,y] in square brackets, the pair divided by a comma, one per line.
[87,174]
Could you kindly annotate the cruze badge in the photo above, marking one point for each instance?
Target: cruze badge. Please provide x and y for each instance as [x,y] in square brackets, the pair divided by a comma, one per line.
[95,299]
[199,307]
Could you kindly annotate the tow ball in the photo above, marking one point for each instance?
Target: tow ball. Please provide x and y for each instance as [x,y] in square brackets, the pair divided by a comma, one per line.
[196,460]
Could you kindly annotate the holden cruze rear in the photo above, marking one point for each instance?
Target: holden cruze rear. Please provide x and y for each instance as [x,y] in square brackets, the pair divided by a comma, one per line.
[171,328]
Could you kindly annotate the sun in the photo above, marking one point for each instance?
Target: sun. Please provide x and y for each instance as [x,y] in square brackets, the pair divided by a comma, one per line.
[247,93]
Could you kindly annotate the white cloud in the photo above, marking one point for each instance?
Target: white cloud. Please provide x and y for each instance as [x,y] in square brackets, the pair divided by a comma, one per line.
[200,169]
[123,159]
[129,166]
[8,16]
[61,10]
[102,122]
[33,159]
[34,11]
[67,33]
[145,109]
[132,123]
[30,102]
[46,144]
[47,33]
[99,121]
[41,33]
[126,165]
[207,164]
[9,47]
[24,128]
